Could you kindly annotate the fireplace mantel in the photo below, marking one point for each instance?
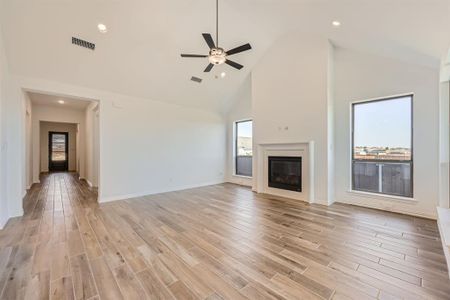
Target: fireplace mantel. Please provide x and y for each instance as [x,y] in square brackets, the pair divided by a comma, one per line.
[302,149]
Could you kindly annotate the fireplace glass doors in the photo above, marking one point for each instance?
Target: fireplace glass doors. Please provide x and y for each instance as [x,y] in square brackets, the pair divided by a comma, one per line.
[285,172]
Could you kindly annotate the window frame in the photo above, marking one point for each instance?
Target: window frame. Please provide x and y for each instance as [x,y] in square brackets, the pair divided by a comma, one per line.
[352,145]
[235,148]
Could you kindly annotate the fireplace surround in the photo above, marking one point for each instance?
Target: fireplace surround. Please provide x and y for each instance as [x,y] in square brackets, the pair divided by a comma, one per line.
[305,150]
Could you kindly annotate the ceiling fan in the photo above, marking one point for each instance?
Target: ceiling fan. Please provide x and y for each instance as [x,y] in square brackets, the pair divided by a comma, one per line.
[218,55]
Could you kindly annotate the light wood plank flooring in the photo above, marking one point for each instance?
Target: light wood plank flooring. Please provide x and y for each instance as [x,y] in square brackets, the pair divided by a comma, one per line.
[217,242]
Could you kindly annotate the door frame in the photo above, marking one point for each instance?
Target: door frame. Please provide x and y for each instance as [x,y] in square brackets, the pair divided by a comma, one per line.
[66,134]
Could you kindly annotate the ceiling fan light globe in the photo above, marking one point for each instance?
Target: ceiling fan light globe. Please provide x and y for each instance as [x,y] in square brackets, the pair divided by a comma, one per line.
[217,60]
[217,56]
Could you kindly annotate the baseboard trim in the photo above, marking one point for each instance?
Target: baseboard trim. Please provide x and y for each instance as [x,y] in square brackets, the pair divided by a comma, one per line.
[398,211]
[321,202]
[148,193]
[316,202]
[239,183]
[444,231]
[31,185]
[87,181]
[240,180]
[3,223]
[445,248]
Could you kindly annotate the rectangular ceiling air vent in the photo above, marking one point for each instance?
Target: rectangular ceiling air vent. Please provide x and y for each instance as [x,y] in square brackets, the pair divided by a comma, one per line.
[196,79]
[83,43]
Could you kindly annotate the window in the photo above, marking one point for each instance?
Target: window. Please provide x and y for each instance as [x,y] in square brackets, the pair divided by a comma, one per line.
[244,151]
[58,147]
[382,156]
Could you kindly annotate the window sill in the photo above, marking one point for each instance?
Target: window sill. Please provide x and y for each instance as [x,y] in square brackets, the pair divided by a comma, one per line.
[382,196]
[242,176]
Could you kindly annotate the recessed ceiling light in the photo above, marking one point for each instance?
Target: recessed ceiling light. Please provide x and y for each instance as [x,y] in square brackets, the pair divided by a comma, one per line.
[102,28]
[223,74]
[336,23]
[61,101]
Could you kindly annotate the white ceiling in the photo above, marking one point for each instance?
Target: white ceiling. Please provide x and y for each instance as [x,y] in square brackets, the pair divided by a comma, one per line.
[50,100]
[139,55]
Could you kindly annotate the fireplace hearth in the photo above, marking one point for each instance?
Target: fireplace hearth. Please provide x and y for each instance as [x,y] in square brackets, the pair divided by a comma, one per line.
[285,172]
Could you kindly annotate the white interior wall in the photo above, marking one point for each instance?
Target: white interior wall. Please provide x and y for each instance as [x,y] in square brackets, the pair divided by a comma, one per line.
[445,67]
[241,109]
[445,72]
[78,149]
[92,137]
[149,146]
[12,138]
[360,76]
[14,147]
[330,124]
[96,146]
[28,178]
[71,129]
[152,147]
[291,105]
[4,213]
[444,146]
[58,115]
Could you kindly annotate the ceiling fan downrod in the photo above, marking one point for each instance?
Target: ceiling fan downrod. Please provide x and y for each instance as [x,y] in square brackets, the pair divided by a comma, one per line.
[217,23]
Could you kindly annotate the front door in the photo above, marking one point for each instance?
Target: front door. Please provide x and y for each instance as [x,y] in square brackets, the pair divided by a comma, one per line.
[58,154]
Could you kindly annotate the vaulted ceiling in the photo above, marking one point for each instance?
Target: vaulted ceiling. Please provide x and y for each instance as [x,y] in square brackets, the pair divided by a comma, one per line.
[139,55]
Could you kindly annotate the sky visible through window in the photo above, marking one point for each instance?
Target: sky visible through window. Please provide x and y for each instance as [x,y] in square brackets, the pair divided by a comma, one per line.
[383,123]
[245,129]
[244,138]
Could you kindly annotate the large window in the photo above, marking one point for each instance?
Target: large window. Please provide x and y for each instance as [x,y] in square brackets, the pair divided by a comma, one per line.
[382,158]
[244,151]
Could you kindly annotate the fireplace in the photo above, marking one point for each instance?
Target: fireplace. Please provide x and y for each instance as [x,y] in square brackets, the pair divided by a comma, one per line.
[285,172]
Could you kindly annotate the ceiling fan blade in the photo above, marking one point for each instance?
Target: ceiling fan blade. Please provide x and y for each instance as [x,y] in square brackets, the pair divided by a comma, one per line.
[209,40]
[193,55]
[234,64]
[239,49]
[208,68]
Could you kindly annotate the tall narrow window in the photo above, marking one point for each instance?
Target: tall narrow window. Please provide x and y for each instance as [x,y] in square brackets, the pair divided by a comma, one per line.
[382,159]
[244,151]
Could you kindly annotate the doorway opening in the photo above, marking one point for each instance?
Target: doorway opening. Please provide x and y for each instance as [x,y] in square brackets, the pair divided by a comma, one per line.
[59,145]
[62,134]
[58,151]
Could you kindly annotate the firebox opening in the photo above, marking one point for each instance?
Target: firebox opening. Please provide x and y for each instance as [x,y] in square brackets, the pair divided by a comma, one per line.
[285,172]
